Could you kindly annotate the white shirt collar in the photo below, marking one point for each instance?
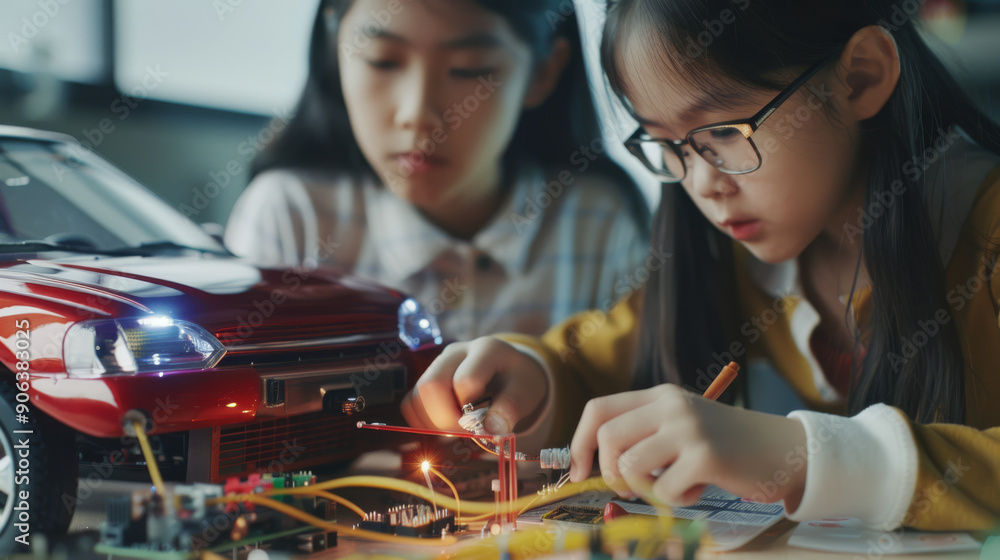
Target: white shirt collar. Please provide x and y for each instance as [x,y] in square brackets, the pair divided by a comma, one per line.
[406,242]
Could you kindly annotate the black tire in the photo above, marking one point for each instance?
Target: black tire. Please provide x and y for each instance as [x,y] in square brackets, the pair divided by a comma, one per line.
[50,481]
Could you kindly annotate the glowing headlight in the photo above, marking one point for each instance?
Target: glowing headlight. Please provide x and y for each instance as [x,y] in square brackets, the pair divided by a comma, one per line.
[127,346]
[417,326]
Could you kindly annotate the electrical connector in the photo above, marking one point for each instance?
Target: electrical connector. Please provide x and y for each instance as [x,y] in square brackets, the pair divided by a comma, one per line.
[555,458]
[472,421]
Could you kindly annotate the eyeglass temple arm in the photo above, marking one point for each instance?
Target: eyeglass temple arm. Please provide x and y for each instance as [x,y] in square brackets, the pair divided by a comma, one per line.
[788,92]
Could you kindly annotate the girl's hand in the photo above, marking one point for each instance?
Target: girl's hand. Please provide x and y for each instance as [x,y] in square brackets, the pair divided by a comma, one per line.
[468,371]
[666,444]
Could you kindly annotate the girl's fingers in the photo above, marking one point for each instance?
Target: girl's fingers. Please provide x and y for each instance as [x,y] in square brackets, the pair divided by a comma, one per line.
[619,435]
[683,482]
[415,411]
[432,401]
[637,464]
[595,414]
[476,372]
[504,414]
[491,368]
[409,413]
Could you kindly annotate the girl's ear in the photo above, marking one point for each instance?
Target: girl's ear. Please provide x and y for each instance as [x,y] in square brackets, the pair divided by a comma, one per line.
[869,67]
[547,74]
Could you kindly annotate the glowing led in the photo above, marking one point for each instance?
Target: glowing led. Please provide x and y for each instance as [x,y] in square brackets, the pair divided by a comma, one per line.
[231,405]
[425,466]
[157,321]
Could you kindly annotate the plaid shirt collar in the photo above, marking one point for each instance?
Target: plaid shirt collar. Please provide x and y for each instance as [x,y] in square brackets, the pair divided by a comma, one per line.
[406,242]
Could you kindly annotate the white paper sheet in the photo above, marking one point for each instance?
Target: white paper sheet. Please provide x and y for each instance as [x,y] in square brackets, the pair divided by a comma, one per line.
[851,536]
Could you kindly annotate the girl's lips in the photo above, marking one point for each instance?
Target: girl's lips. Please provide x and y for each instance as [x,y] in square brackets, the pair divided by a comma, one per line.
[417,162]
[741,230]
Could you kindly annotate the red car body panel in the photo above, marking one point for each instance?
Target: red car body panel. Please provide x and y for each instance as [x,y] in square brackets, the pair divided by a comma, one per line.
[308,352]
[246,307]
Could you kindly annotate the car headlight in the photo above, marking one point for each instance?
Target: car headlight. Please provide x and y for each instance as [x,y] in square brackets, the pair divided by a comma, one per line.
[417,326]
[138,345]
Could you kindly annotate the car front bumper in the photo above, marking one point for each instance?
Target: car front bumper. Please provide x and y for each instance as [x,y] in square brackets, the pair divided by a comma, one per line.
[189,400]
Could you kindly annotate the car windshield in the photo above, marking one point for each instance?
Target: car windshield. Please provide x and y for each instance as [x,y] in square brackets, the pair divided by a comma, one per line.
[58,195]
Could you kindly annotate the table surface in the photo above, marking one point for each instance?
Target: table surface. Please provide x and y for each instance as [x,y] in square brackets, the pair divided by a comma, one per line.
[769,546]
[764,548]
[772,545]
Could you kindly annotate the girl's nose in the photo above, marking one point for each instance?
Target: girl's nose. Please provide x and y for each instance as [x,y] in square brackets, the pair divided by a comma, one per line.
[416,103]
[708,181]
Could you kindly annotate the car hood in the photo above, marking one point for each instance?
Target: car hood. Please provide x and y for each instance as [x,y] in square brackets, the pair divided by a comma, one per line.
[222,294]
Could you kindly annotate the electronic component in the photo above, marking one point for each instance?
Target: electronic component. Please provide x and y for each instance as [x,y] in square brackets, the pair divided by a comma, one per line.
[472,421]
[294,513]
[306,542]
[190,519]
[554,458]
[410,521]
[585,515]
[614,511]
[503,446]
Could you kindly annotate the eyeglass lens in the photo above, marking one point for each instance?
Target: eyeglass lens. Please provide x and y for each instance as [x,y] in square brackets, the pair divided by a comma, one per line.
[724,147]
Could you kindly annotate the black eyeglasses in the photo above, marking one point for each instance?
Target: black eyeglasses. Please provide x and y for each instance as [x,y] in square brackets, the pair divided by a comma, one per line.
[727,146]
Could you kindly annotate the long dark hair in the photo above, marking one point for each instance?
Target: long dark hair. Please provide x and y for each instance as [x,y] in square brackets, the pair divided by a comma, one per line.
[319,135]
[757,41]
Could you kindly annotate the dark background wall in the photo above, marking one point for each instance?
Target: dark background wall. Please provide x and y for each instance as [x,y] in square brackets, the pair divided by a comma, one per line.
[101,70]
[175,150]
[182,151]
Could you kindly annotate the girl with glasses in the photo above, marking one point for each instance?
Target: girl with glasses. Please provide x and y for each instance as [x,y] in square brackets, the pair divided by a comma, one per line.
[832,206]
[449,149]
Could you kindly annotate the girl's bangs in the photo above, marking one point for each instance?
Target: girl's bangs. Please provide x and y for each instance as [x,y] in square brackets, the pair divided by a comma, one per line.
[658,42]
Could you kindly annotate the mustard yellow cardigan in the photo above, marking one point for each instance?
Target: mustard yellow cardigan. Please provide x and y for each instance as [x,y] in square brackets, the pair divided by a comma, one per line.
[958,478]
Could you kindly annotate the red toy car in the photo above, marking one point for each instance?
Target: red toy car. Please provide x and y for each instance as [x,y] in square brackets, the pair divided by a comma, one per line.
[117,308]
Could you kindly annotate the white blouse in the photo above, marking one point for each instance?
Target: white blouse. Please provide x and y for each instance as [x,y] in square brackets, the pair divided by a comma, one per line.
[550,251]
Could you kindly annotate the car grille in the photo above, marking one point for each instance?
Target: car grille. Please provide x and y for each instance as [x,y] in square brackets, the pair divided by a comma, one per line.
[283,445]
[296,358]
[270,332]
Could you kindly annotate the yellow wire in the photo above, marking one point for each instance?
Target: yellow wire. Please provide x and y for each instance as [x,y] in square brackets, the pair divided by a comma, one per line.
[486,509]
[147,451]
[523,544]
[486,449]
[342,501]
[454,491]
[476,518]
[154,473]
[480,443]
[377,556]
[380,556]
[326,525]
[649,547]
[530,505]
[531,543]
[486,516]
[385,483]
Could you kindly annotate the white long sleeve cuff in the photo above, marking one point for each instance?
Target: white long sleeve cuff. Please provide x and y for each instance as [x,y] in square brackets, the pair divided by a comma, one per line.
[864,467]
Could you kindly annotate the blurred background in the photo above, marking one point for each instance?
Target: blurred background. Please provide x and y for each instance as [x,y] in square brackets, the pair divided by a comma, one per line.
[182,93]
